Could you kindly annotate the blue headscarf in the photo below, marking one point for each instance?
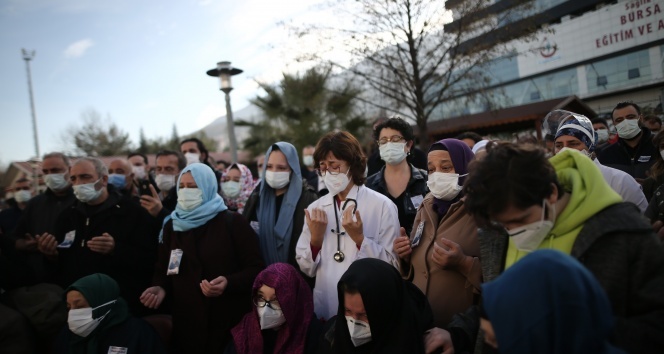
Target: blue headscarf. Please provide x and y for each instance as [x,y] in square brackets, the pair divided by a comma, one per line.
[212,205]
[275,231]
[579,127]
[549,303]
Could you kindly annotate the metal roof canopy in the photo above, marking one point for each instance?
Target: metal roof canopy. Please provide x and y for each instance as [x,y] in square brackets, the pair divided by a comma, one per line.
[508,119]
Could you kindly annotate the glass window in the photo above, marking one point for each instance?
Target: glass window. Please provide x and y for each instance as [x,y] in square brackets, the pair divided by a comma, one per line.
[624,70]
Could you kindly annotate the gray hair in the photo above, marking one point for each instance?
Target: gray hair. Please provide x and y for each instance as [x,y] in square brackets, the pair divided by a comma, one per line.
[100,168]
[59,155]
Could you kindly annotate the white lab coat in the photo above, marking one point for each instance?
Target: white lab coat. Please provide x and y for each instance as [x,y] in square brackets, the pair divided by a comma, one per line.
[625,185]
[380,224]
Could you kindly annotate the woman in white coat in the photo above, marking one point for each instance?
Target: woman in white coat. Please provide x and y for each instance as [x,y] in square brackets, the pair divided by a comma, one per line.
[349,223]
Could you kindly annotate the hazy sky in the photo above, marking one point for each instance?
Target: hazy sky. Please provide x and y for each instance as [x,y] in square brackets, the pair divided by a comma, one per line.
[143,63]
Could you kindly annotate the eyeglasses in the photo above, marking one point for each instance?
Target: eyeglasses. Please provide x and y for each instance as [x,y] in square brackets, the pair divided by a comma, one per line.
[332,170]
[259,301]
[393,138]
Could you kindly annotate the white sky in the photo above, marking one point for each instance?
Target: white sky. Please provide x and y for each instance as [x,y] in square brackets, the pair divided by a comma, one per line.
[143,63]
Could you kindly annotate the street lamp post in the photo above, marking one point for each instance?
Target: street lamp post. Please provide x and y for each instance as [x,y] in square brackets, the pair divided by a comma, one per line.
[27,56]
[224,71]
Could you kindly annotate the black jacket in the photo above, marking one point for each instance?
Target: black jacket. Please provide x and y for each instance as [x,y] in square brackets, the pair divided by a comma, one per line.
[40,216]
[619,247]
[417,186]
[132,261]
[635,161]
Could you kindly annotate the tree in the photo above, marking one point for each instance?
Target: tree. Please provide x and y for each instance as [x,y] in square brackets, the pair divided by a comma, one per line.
[96,138]
[301,108]
[143,144]
[409,54]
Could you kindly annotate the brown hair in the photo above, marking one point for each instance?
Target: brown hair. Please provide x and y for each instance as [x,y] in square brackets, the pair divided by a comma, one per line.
[345,147]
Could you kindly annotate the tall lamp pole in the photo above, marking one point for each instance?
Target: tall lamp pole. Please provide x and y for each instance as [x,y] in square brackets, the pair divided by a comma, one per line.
[27,56]
[224,71]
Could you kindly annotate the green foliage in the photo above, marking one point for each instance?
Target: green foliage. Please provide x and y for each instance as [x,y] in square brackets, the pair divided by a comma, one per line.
[95,138]
[301,109]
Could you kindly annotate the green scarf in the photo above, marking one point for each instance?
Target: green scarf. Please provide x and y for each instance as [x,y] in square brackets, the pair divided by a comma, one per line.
[98,289]
[589,194]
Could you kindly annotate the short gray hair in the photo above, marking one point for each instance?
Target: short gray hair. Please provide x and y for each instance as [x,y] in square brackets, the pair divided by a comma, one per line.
[100,168]
[59,155]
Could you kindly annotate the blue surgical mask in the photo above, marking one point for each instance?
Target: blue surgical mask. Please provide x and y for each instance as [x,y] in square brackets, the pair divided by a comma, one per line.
[117,180]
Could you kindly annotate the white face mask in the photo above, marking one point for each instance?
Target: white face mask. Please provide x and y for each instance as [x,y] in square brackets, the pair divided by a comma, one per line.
[584,151]
[189,198]
[56,181]
[444,186]
[360,332]
[393,153]
[80,321]
[139,172]
[270,318]
[602,135]
[628,128]
[231,189]
[336,183]
[528,238]
[277,180]
[192,157]
[308,160]
[165,182]
[87,192]
[22,196]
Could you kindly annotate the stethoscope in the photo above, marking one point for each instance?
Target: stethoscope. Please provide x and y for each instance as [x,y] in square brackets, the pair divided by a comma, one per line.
[338,255]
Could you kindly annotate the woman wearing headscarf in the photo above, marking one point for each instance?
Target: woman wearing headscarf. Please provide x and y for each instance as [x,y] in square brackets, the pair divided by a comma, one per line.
[206,264]
[350,223]
[236,186]
[276,207]
[547,303]
[99,321]
[441,255]
[378,312]
[282,320]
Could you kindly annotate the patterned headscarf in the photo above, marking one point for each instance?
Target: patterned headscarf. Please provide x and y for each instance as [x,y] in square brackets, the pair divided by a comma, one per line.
[246,187]
[297,304]
[579,127]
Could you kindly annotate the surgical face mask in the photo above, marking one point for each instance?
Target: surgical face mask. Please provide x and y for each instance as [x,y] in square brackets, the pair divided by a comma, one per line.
[117,180]
[602,135]
[308,160]
[336,183]
[360,332]
[261,173]
[444,186]
[628,128]
[270,318]
[189,198]
[231,189]
[393,153]
[528,238]
[80,321]
[22,196]
[87,192]
[277,180]
[139,172]
[192,157]
[56,181]
[165,182]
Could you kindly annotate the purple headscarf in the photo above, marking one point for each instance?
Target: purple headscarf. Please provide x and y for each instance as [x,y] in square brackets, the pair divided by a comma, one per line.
[461,156]
[297,304]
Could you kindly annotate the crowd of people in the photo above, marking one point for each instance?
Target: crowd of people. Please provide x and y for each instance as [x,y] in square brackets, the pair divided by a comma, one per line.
[474,246]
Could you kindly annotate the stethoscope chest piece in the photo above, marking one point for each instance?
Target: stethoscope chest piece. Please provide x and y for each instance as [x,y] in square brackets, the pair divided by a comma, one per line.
[339,256]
